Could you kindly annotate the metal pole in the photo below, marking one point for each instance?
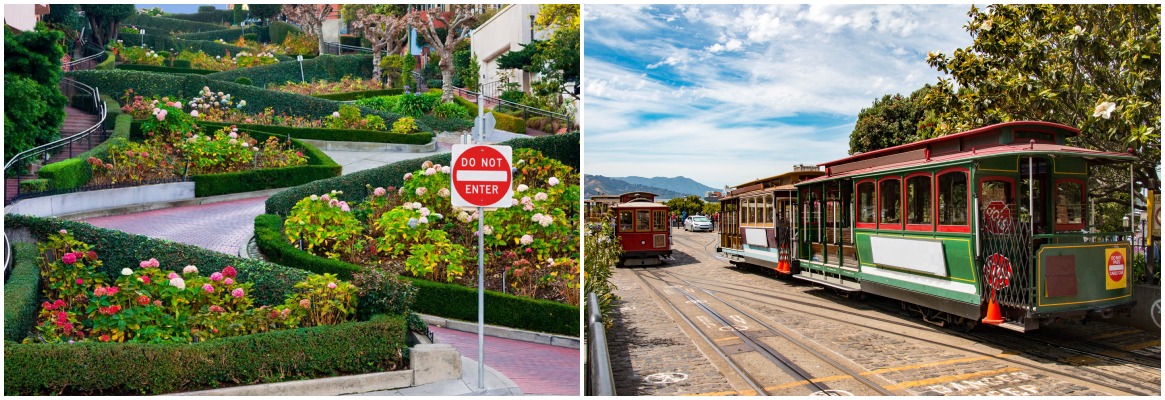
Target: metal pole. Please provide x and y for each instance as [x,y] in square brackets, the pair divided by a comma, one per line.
[1031,201]
[480,298]
[1132,202]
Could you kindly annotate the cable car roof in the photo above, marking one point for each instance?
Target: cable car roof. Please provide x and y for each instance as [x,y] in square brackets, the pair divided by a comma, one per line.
[640,204]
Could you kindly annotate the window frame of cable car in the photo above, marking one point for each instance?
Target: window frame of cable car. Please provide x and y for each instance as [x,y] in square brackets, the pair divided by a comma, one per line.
[930,199]
[1008,179]
[953,228]
[1083,186]
[648,225]
[631,226]
[873,224]
[882,207]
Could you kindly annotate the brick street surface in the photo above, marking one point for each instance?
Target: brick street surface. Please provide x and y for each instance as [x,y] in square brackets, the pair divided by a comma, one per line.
[221,227]
[895,351]
[537,369]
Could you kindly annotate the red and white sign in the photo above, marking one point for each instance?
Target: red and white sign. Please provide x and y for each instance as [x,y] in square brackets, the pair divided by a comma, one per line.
[997,271]
[482,176]
[1115,267]
[998,217]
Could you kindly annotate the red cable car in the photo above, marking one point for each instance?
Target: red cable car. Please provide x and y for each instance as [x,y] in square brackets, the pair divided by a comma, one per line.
[643,228]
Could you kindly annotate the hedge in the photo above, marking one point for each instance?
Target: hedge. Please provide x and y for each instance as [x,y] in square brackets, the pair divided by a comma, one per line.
[21,292]
[441,299]
[564,148]
[75,172]
[438,124]
[144,368]
[349,96]
[339,135]
[216,17]
[108,63]
[117,249]
[167,42]
[279,31]
[509,123]
[34,185]
[229,35]
[467,105]
[170,24]
[188,86]
[327,67]
[167,70]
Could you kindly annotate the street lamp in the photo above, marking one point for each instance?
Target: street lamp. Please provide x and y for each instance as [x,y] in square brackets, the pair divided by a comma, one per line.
[300,59]
[143,32]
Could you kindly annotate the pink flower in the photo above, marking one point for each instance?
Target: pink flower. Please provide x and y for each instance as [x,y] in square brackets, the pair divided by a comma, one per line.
[144,279]
[408,175]
[230,271]
[379,192]
[178,283]
[285,312]
[216,308]
[172,275]
[217,276]
[161,116]
[331,285]
[190,269]
[344,206]
[208,288]
[157,302]
[64,231]
[422,190]
[112,290]
[526,240]
[104,338]
[529,250]
[305,303]
[228,281]
[80,282]
[69,258]
[143,300]
[553,181]
[100,291]
[238,292]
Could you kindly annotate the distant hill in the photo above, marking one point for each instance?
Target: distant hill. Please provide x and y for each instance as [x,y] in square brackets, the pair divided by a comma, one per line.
[677,184]
[598,184]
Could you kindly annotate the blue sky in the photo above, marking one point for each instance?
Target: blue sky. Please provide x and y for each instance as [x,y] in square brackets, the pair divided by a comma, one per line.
[179,8]
[728,94]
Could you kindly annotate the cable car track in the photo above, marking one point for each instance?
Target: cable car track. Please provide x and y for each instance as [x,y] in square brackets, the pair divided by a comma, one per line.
[751,340]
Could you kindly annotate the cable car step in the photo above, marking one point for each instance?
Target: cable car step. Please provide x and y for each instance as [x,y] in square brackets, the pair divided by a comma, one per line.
[1015,326]
[844,285]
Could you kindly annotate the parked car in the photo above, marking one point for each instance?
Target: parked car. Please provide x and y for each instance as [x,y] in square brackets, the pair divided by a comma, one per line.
[698,223]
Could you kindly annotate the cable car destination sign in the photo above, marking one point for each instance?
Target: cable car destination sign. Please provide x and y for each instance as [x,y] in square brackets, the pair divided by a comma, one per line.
[482,176]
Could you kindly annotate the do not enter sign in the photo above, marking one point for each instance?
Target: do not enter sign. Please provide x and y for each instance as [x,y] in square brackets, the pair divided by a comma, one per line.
[481,176]
[1115,269]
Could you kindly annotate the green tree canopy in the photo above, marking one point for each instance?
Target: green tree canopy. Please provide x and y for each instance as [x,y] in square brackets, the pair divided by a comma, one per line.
[264,11]
[690,204]
[105,18]
[890,121]
[1093,66]
[34,106]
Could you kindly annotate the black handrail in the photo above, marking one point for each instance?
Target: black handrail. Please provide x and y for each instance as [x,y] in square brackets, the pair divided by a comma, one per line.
[44,151]
[8,257]
[600,379]
[522,107]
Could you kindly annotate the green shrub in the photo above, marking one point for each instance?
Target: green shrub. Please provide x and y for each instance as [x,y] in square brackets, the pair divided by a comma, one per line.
[366,94]
[450,110]
[564,148]
[112,111]
[326,67]
[117,249]
[34,185]
[253,37]
[166,70]
[182,64]
[109,63]
[242,80]
[338,135]
[469,106]
[143,368]
[441,299]
[382,292]
[319,166]
[229,35]
[280,29]
[435,83]
[438,124]
[205,9]
[170,24]
[21,291]
[509,123]
[216,17]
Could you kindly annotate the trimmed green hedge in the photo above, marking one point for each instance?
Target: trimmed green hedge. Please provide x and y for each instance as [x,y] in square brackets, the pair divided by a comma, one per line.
[339,135]
[327,67]
[228,35]
[215,17]
[361,94]
[74,172]
[144,368]
[564,148]
[279,31]
[167,42]
[441,299]
[188,86]
[170,24]
[112,110]
[467,105]
[117,249]
[509,123]
[438,124]
[166,70]
[21,292]
[108,63]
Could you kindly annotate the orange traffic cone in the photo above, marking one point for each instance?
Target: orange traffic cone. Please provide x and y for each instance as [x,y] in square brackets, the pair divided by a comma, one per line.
[993,316]
[783,266]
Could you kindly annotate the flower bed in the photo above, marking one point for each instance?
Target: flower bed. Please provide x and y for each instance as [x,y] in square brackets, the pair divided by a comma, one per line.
[328,348]
[322,86]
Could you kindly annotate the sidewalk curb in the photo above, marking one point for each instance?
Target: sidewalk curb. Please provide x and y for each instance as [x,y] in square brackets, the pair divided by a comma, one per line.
[168,204]
[505,333]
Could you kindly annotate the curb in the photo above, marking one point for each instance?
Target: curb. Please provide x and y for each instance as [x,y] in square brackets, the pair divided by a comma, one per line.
[333,386]
[168,204]
[505,333]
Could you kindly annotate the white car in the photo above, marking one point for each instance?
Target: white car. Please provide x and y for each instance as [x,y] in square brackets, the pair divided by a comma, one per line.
[698,223]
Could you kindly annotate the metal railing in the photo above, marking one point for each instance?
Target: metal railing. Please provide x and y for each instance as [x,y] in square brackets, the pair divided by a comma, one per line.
[339,48]
[527,111]
[84,63]
[8,257]
[46,151]
[600,379]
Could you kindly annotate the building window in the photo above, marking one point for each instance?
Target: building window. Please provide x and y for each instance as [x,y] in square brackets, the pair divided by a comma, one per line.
[890,192]
[952,198]
[625,220]
[918,200]
[1069,205]
[867,204]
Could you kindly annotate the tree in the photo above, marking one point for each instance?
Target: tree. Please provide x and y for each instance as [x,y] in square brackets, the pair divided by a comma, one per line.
[891,121]
[1094,67]
[34,106]
[66,19]
[238,14]
[105,19]
[424,23]
[691,205]
[310,18]
[383,31]
[264,12]
[556,59]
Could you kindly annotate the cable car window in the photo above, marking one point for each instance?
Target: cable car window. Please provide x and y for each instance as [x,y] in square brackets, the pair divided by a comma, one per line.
[642,220]
[769,208]
[1069,204]
[918,200]
[660,219]
[952,198]
[625,218]
[891,199]
[866,203]
[996,191]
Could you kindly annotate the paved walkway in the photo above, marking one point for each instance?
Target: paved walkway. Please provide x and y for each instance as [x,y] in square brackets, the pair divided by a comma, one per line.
[537,369]
[222,227]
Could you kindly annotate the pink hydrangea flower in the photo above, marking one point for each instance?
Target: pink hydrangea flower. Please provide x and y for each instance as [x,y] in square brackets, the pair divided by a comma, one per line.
[526,240]
[172,275]
[216,309]
[325,198]
[69,258]
[408,175]
[190,269]
[144,279]
[344,206]
[178,283]
[230,272]
[64,231]
[331,285]
[305,303]
[430,171]
[379,192]
[99,291]
[422,190]
[444,192]
[228,281]
[112,290]
[541,196]
[238,292]
[80,282]
[553,181]
[208,288]
[217,277]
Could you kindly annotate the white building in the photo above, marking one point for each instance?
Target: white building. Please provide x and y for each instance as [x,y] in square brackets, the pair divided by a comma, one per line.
[508,30]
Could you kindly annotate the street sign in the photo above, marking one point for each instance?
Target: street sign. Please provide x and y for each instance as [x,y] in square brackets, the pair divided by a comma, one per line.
[1115,268]
[482,176]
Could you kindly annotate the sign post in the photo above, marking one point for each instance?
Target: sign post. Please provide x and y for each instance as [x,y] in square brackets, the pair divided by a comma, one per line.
[481,178]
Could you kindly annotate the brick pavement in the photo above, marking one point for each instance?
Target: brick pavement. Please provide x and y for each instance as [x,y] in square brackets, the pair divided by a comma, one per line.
[221,227]
[536,368]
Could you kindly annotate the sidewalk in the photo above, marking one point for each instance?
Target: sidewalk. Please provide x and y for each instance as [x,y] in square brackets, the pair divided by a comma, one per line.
[538,369]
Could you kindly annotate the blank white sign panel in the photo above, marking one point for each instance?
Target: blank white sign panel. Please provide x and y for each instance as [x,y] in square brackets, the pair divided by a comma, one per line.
[756,237]
[919,255]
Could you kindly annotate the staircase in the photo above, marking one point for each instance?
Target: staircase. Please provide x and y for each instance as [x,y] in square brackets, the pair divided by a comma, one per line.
[76,121]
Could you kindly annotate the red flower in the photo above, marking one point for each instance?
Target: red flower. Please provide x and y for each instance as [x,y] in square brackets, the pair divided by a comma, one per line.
[143,300]
[144,279]
[104,338]
[91,255]
[112,290]
[59,303]
[230,271]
